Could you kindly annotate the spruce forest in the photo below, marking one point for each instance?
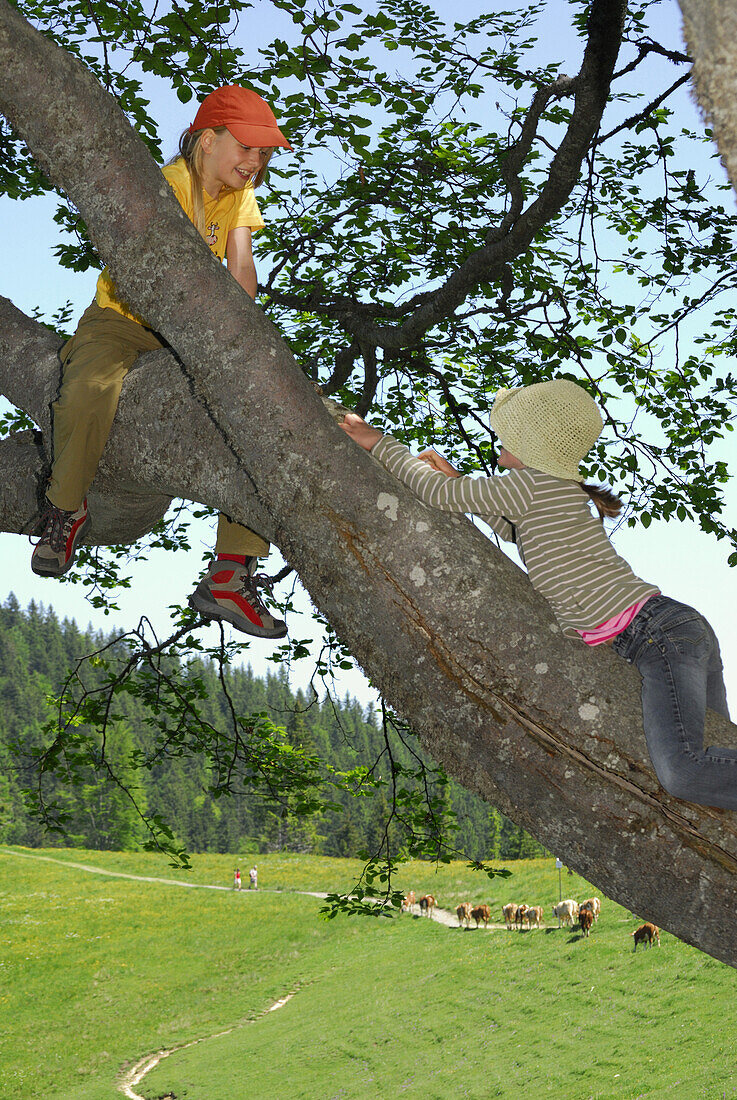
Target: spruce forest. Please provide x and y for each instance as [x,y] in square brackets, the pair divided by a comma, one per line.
[37,655]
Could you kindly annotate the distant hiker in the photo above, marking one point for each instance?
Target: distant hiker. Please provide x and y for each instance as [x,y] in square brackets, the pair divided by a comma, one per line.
[253,876]
[237,879]
[222,158]
[544,431]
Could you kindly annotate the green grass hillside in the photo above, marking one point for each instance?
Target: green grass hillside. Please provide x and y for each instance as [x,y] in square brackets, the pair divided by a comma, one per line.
[98,971]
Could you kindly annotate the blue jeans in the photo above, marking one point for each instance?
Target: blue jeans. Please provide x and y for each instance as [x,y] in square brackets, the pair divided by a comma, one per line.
[677,654]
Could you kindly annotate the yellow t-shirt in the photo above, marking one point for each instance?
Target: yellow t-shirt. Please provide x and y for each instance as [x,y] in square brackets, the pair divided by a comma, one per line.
[229,210]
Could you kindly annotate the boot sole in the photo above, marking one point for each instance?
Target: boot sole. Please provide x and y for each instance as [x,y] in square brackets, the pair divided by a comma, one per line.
[59,571]
[214,613]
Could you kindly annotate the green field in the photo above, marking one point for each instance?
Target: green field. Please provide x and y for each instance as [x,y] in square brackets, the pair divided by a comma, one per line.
[98,971]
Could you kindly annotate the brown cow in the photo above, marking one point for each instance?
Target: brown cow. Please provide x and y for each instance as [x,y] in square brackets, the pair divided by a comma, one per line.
[646,933]
[481,913]
[408,903]
[509,912]
[427,904]
[464,912]
[585,919]
[594,905]
[533,915]
[519,920]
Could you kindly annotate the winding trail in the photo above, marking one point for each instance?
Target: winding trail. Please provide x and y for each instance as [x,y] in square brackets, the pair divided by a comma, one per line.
[148,878]
[131,1077]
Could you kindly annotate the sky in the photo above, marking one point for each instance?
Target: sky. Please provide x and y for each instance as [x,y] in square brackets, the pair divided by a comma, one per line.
[687,564]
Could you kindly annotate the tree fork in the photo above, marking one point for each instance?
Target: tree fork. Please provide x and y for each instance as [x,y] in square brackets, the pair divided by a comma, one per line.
[447,627]
[517,229]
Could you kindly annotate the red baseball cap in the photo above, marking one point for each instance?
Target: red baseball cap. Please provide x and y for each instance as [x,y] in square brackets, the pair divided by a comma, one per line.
[248,117]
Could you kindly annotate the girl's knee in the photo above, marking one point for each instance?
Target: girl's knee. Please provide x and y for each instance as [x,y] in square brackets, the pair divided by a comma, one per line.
[103,361]
[89,393]
[676,776]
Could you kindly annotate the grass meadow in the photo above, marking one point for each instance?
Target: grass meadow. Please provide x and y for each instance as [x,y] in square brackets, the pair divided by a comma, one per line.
[98,971]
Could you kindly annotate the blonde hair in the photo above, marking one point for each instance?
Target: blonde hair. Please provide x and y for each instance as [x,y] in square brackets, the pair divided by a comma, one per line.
[190,150]
[607,504]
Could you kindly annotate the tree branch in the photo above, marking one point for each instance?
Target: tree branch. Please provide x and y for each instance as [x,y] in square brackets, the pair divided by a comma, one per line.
[647,111]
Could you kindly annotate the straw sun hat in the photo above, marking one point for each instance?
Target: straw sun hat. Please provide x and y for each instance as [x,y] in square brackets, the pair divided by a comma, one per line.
[549,426]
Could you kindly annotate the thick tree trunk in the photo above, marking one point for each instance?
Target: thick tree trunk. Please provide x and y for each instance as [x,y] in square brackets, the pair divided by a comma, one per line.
[710,30]
[446,626]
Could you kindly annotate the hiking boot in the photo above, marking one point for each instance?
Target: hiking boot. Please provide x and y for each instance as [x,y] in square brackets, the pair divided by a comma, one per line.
[230,592]
[56,548]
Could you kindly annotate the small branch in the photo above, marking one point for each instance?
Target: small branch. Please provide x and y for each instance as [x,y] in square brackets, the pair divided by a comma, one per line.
[344,362]
[647,111]
[370,379]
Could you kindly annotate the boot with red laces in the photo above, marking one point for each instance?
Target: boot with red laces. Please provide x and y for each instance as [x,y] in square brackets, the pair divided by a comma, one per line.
[61,532]
[230,591]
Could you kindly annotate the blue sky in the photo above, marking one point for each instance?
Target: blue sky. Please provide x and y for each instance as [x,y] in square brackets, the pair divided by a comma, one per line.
[683,561]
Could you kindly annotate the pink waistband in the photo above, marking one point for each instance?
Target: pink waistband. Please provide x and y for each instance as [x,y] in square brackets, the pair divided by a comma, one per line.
[608,630]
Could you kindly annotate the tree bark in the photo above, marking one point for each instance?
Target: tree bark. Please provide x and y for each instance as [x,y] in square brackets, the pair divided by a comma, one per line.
[447,627]
[710,30]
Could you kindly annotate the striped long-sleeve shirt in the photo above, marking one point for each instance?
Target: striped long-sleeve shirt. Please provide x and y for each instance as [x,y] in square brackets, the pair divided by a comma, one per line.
[569,559]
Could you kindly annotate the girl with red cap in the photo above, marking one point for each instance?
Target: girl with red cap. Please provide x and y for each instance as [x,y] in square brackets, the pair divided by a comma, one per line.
[222,158]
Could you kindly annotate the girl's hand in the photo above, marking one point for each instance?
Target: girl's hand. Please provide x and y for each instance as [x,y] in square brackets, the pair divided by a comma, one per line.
[432,458]
[360,432]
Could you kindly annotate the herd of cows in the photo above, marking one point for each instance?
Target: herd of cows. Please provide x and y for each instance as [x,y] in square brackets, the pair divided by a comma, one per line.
[523,916]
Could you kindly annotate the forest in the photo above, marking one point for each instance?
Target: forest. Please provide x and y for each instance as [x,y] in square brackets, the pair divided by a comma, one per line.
[37,653]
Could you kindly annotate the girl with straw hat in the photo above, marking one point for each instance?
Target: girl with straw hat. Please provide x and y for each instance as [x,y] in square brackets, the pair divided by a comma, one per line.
[545,430]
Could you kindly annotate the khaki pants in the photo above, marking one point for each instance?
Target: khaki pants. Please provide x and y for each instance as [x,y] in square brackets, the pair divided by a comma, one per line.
[95,361]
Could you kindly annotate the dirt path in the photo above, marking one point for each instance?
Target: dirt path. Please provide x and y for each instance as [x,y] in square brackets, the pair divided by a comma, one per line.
[446,917]
[449,918]
[148,878]
[133,1076]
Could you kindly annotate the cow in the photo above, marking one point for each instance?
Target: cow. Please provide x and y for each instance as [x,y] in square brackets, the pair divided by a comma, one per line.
[646,933]
[481,913]
[533,915]
[594,905]
[585,919]
[520,917]
[509,912]
[464,912]
[427,904]
[408,903]
[566,911]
